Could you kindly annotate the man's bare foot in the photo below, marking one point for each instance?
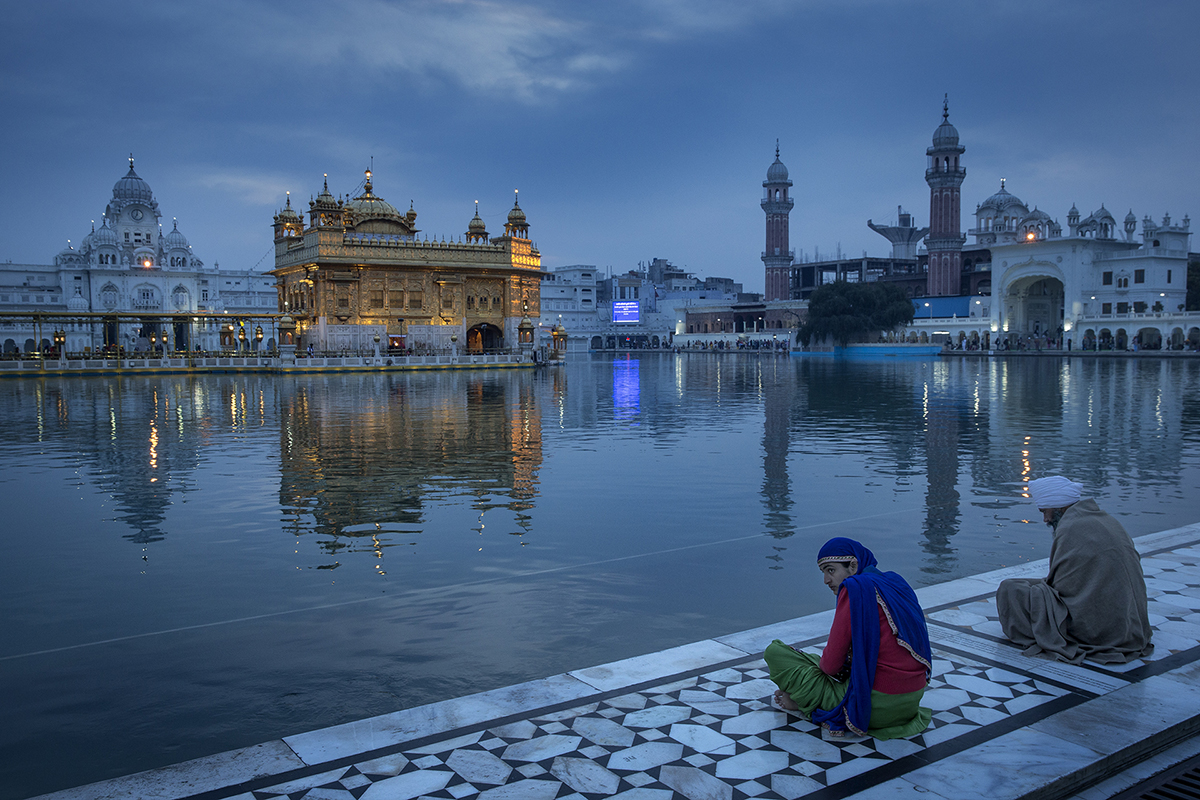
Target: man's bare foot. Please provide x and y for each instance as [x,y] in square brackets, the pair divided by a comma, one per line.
[784,701]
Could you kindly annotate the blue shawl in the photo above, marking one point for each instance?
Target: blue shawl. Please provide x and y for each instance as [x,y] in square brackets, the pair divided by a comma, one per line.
[864,591]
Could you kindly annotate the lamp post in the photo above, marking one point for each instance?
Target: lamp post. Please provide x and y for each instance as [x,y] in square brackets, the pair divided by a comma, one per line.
[242,339]
[258,334]
[60,342]
[376,345]
[454,344]
[154,344]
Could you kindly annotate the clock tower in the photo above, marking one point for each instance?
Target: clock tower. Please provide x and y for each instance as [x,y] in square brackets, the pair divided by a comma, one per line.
[777,205]
[134,214]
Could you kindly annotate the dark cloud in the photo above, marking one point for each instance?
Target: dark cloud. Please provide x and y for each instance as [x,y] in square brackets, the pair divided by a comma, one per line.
[633,129]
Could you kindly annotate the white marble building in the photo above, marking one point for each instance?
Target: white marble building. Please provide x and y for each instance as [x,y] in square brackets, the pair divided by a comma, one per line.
[128,266]
[1099,283]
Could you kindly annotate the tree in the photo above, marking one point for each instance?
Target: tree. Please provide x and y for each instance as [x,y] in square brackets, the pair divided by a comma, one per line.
[848,311]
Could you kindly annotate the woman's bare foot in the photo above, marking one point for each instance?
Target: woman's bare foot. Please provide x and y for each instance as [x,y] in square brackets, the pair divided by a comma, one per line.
[784,701]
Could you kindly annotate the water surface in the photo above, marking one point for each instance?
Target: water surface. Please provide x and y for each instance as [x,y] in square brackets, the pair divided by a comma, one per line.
[195,564]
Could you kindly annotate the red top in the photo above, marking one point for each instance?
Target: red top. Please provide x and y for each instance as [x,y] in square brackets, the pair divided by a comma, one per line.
[896,672]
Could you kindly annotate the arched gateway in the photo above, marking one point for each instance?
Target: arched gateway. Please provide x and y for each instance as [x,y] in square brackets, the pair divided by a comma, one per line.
[1031,301]
[485,338]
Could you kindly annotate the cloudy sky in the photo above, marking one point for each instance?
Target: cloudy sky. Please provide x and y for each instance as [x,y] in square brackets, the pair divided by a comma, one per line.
[634,129]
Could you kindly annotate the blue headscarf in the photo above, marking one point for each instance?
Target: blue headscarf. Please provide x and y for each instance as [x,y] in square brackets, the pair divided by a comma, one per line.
[902,608]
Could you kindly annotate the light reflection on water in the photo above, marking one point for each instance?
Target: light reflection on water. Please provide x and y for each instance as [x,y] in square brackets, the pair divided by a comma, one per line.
[269,555]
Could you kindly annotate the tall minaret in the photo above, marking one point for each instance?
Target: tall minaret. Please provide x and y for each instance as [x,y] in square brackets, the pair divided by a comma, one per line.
[945,241]
[777,257]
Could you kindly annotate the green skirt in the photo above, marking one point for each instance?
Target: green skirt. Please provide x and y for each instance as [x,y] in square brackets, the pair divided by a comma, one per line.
[893,716]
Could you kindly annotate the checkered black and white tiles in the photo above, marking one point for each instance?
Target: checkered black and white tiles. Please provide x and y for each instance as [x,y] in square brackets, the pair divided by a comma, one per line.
[714,735]
[666,726]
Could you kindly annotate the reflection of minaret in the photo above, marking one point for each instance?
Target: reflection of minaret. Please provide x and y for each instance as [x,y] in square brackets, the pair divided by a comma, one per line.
[779,390]
[941,471]
[525,440]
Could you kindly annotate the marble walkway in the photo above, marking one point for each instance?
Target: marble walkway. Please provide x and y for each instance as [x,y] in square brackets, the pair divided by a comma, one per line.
[696,722]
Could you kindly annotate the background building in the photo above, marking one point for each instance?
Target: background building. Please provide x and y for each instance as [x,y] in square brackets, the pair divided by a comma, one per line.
[1023,282]
[129,283]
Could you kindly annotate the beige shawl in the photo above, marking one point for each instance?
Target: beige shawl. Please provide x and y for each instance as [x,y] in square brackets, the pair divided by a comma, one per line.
[1092,604]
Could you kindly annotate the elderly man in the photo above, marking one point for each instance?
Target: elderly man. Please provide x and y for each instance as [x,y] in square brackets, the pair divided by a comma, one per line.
[1092,604]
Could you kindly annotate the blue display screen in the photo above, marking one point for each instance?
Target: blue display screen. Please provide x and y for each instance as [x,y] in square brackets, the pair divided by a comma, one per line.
[625,311]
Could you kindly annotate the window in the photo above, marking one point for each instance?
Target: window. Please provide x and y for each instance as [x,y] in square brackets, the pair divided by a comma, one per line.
[1139,307]
[448,299]
[470,302]
[343,301]
[1122,308]
[377,298]
[396,299]
[204,295]
[1168,276]
[416,300]
[1106,308]
[1139,276]
[495,303]
[1106,279]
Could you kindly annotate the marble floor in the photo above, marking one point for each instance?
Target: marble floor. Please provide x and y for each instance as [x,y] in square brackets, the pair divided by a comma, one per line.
[696,722]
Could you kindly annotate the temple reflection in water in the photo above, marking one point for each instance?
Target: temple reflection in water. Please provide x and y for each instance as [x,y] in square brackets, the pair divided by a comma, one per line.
[360,459]
[357,475]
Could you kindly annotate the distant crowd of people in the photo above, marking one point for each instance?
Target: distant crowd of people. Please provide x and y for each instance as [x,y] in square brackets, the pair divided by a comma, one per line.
[740,344]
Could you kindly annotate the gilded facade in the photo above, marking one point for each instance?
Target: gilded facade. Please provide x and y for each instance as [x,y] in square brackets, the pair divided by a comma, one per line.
[359,269]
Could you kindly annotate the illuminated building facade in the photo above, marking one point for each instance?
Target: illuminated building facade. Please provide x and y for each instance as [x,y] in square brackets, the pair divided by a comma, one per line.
[358,270]
[127,266]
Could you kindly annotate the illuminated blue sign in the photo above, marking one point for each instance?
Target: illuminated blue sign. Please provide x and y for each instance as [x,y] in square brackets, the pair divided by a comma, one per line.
[626,311]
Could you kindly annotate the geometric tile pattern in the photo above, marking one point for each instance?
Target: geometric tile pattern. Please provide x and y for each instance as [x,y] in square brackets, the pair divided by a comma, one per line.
[1173,589]
[714,735]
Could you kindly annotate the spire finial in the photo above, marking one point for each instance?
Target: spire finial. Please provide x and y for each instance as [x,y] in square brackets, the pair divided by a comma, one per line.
[93,226]
[368,174]
[946,107]
[516,198]
[1002,184]
[131,162]
[175,221]
[326,181]
[776,149]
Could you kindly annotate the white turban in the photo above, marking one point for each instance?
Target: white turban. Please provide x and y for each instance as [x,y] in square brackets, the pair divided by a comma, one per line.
[1055,492]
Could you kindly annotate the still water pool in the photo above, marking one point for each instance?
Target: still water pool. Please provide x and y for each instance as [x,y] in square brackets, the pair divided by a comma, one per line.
[193,564]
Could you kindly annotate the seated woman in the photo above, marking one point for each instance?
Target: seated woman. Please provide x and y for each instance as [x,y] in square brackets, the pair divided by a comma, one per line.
[872,674]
